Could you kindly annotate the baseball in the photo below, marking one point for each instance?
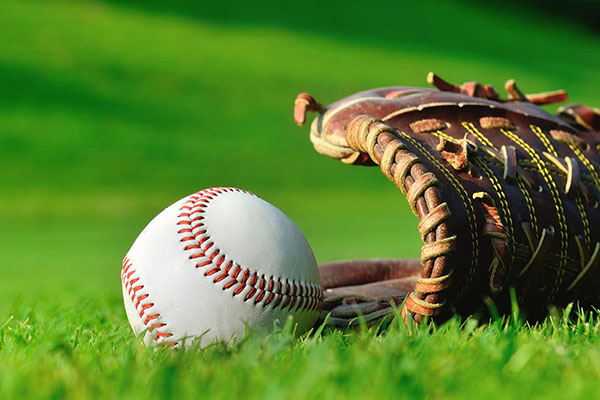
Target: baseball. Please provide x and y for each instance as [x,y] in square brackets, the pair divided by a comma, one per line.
[215,263]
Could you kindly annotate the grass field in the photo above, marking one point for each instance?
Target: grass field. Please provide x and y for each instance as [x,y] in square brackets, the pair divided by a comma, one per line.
[110,111]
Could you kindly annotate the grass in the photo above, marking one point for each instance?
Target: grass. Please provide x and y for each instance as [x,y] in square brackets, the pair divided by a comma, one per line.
[110,111]
[87,351]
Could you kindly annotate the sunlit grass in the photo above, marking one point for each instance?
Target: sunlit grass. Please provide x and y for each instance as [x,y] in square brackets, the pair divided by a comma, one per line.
[86,350]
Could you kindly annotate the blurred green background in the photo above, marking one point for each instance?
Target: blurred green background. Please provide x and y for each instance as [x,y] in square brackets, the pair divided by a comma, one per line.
[111,111]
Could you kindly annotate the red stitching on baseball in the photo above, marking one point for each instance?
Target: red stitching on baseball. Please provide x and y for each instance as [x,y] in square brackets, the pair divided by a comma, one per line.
[140,304]
[230,284]
[269,299]
[150,318]
[250,294]
[279,297]
[162,334]
[199,255]
[214,254]
[139,299]
[154,326]
[138,287]
[245,276]
[305,296]
[260,296]
[239,289]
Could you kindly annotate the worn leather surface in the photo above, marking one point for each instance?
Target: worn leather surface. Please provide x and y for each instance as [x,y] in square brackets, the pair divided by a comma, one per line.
[507,194]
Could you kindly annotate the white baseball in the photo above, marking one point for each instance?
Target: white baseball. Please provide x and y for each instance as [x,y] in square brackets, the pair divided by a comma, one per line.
[215,263]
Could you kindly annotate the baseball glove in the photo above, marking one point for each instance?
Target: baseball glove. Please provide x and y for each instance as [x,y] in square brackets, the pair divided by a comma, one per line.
[507,196]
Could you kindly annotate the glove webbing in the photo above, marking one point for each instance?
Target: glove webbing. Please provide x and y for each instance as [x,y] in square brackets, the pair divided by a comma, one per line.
[405,170]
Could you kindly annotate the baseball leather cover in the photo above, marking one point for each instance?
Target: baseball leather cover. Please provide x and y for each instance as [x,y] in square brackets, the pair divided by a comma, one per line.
[215,264]
[507,195]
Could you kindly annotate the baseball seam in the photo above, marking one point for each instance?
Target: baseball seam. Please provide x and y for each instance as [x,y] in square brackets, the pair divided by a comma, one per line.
[298,296]
[142,303]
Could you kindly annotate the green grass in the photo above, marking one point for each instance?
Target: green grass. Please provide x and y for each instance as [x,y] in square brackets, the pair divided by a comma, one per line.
[87,351]
[111,111]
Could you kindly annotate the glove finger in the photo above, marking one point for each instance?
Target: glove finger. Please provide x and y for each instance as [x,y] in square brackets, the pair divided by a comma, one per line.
[353,310]
[399,287]
[357,272]
[369,318]
[348,314]
[329,303]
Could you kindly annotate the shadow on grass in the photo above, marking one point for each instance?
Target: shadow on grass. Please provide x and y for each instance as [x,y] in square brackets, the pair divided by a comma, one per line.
[435,23]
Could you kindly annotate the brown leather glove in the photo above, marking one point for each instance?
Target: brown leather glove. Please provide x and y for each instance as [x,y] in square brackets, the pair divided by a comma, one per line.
[506,193]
